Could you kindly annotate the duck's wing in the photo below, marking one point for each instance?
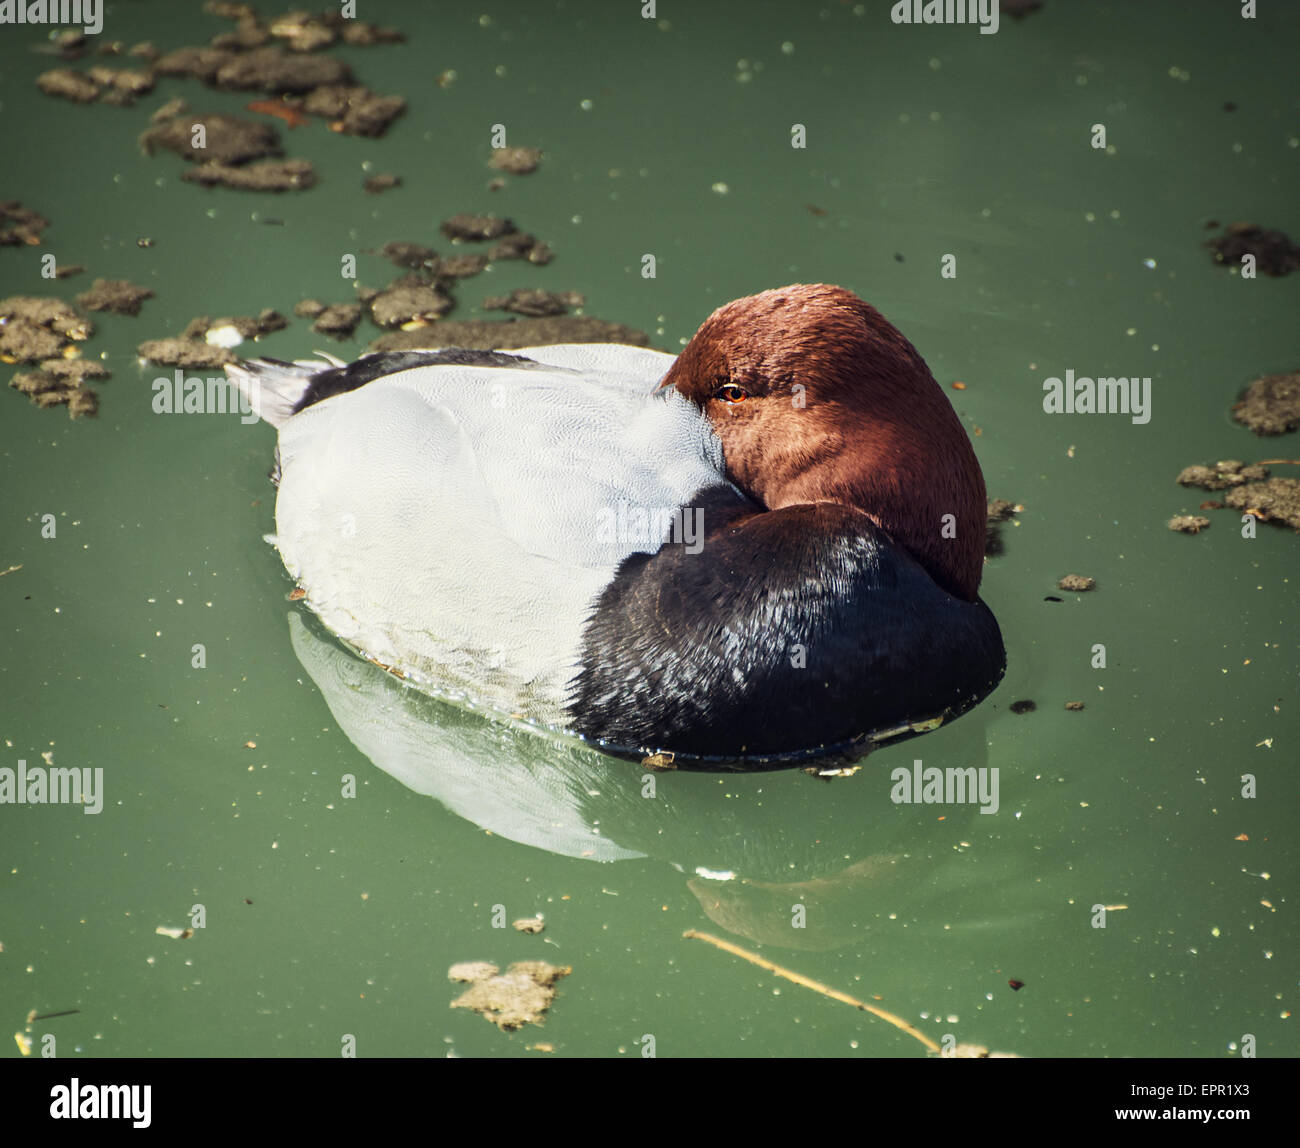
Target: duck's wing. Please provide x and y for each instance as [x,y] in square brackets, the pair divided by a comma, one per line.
[459,520]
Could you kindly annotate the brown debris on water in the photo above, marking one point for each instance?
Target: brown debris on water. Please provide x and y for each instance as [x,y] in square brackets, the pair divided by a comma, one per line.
[521,245]
[70,44]
[407,304]
[472,971]
[1188,523]
[476,227]
[1074,705]
[1077,582]
[51,398]
[82,401]
[519,996]
[353,109]
[362,33]
[1274,500]
[74,372]
[529,924]
[516,160]
[265,175]
[246,60]
[228,139]
[265,322]
[47,391]
[247,34]
[60,381]
[412,256]
[337,320]
[20,226]
[34,327]
[34,383]
[192,348]
[275,71]
[185,353]
[303,32]
[54,315]
[118,86]
[202,63]
[461,266]
[383,181]
[1223,475]
[121,86]
[1273,250]
[1270,405]
[230,143]
[117,295]
[24,342]
[69,84]
[300,31]
[534,303]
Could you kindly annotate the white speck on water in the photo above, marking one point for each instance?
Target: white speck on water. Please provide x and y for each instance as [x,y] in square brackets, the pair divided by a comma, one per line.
[227,336]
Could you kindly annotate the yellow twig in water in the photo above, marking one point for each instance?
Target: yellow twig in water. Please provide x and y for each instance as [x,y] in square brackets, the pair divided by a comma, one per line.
[809,983]
[1277,462]
[9,571]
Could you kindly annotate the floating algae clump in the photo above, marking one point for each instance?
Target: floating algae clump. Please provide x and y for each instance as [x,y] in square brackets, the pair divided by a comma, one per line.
[519,996]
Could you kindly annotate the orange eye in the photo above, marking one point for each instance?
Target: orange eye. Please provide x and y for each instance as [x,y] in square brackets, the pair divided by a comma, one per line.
[731,393]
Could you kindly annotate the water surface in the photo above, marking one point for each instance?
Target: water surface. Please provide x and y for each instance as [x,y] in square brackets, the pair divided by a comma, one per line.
[328,915]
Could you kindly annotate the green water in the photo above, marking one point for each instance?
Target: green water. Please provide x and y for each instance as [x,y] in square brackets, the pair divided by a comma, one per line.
[921,142]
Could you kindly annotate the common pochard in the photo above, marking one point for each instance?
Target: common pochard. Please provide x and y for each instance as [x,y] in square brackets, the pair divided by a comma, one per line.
[763,551]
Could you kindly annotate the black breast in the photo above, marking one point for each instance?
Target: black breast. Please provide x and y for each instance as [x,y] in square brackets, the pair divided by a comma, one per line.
[792,634]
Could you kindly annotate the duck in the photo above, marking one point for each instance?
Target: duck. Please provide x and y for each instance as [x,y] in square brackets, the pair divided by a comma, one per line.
[763,552]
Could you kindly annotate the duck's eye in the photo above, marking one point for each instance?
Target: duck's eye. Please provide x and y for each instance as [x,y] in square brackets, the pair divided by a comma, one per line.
[731,393]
